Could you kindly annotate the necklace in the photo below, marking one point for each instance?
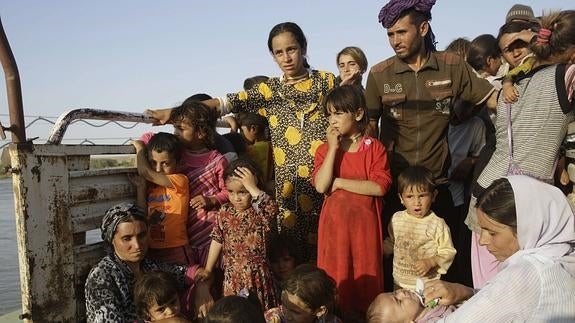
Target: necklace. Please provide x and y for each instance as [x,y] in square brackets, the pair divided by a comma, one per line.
[297,78]
[355,138]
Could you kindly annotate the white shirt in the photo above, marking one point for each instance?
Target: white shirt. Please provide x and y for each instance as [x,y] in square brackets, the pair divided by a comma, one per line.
[530,288]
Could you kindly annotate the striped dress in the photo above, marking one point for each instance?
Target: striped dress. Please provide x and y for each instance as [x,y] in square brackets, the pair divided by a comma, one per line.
[539,121]
[205,172]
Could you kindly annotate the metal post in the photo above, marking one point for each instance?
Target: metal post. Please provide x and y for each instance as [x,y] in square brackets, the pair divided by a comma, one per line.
[13,88]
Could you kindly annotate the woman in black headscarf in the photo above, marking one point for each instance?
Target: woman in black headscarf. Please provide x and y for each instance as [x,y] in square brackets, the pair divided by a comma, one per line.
[109,285]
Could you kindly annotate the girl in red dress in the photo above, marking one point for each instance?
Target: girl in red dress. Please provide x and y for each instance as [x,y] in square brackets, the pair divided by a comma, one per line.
[352,170]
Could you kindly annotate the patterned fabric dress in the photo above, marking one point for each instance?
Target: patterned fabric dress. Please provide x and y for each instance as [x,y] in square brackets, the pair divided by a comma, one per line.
[205,172]
[243,236]
[297,126]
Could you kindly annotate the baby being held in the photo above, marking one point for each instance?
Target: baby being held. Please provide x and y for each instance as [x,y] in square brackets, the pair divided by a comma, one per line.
[404,306]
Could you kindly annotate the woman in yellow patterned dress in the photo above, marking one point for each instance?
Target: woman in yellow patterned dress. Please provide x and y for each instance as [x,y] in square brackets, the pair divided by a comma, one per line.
[292,105]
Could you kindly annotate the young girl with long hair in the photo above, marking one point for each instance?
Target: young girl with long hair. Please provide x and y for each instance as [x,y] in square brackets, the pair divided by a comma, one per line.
[292,104]
[353,173]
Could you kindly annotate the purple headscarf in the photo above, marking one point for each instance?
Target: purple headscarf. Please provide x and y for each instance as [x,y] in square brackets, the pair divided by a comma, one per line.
[393,9]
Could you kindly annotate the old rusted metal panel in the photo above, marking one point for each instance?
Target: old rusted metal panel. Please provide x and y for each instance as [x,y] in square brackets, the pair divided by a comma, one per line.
[87,256]
[93,173]
[57,201]
[100,188]
[86,217]
[44,232]
[83,150]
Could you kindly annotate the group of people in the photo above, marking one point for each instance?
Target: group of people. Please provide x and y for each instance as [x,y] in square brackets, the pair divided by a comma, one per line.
[364,185]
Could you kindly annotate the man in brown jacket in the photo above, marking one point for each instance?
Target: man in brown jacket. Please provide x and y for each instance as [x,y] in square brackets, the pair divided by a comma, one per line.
[411,96]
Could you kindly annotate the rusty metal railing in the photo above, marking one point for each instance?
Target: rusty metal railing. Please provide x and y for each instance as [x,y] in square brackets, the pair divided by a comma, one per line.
[14,91]
[61,125]
[59,128]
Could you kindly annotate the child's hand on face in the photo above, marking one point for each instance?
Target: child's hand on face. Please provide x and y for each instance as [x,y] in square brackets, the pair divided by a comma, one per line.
[333,136]
[351,78]
[423,266]
[248,180]
[200,202]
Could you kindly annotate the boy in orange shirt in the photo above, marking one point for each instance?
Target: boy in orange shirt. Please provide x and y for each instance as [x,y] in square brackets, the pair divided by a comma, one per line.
[166,197]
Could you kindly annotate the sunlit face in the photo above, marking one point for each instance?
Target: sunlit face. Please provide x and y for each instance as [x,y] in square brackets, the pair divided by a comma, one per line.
[347,66]
[131,241]
[417,202]
[283,266]
[513,50]
[239,197]
[288,54]
[406,39]
[400,306]
[346,123]
[498,238]
[165,311]
[188,135]
[163,162]
[294,310]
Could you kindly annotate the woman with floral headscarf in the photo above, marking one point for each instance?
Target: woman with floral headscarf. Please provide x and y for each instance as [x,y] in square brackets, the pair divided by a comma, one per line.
[529,226]
[109,285]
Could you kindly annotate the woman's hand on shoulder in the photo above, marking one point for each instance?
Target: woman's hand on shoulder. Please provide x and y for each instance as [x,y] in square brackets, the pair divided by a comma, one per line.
[447,293]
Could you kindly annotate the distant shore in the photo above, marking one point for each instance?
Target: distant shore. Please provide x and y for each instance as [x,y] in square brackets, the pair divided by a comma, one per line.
[97,162]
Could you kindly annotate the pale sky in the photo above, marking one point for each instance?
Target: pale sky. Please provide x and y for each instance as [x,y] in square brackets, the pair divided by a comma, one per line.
[133,55]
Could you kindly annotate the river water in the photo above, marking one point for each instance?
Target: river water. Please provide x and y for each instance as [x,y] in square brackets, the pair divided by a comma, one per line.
[9,274]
